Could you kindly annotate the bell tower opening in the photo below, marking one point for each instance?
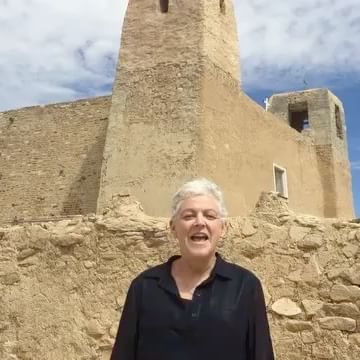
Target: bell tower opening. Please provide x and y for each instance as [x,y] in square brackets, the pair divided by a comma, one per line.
[164,6]
[222,6]
[338,122]
[299,116]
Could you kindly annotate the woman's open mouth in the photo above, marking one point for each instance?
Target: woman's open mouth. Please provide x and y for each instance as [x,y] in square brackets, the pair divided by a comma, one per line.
[199,237]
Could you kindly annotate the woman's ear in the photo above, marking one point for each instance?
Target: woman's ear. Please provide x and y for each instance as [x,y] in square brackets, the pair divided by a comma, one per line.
[172,229]
[172,226]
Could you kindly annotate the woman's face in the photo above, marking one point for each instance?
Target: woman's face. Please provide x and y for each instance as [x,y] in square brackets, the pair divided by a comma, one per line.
[198,226]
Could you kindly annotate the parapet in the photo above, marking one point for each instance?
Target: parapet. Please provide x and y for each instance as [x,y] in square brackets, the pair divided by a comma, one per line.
[315,111]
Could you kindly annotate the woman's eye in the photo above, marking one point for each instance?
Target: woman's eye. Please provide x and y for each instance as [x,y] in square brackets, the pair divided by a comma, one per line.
[188,217]
[211,217]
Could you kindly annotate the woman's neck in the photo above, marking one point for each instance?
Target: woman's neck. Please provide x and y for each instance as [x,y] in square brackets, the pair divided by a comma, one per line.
[188,275]
[195,268]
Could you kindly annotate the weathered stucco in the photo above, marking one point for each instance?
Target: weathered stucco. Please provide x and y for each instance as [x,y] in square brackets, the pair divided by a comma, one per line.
[63,283]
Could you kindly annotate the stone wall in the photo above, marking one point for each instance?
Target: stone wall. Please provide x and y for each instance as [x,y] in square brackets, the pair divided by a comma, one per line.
[63,283]
[50,159]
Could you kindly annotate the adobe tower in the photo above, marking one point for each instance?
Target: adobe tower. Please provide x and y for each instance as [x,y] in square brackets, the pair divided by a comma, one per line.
[320,114]
[178,67]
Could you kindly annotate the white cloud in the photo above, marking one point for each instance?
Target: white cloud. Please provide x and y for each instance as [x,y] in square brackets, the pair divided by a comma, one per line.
[284,42]
[54,51]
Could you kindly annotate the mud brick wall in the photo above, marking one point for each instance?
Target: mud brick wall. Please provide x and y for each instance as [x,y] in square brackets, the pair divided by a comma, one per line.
[50,159]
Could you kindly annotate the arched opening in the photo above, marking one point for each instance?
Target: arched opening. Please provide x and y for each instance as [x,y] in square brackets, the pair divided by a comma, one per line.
[164,6]
[222,6]
[339,127]
[299,116]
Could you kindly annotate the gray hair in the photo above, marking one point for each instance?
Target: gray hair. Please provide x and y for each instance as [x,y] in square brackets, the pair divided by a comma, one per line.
[197,187]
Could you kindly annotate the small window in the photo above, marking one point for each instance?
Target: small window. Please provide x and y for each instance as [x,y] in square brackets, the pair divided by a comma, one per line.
[164,6]
[280,181]
[222,6]
[299,116]
[339,127]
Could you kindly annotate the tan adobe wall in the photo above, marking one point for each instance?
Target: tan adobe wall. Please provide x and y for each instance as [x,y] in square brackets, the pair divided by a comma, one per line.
[231,140]
[330,140]
[221,44]
[336,182]
[63,284]
[240,142]
[343,179]
[50,158]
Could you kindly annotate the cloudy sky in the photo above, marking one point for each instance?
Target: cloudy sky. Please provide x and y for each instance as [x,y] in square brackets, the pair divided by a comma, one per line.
[54,51]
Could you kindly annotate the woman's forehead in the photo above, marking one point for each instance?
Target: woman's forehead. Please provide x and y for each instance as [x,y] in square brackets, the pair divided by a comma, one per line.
[199,202]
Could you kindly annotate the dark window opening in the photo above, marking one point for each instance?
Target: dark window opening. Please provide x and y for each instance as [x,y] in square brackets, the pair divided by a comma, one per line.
[299,116]
[339,127]
[164,6]
[222,6]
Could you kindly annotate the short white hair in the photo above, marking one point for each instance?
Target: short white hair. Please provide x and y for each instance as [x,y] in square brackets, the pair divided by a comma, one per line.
[198,187]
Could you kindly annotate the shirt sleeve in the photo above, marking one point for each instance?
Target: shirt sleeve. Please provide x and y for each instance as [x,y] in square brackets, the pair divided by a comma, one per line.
[259,339]
[127,335]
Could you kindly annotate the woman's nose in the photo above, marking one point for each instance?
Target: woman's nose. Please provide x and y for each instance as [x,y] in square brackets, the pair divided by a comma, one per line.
[200,219]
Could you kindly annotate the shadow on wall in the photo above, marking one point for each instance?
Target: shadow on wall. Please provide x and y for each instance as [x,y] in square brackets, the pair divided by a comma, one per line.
[83,193]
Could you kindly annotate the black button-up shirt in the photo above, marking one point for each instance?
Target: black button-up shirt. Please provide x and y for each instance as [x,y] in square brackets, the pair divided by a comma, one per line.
[226,319]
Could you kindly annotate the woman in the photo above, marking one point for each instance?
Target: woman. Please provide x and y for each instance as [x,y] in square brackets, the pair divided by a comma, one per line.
[196,305]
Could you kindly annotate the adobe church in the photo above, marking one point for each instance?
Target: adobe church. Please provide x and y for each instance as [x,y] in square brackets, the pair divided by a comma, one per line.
[177,111]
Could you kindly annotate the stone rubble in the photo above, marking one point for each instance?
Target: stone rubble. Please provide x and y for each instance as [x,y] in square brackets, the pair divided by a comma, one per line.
[286,307]
[337,323]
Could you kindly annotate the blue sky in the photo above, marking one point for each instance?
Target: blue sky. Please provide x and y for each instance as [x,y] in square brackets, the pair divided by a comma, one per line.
[59,51]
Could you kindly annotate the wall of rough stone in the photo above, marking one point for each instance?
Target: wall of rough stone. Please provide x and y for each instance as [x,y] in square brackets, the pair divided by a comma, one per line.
[63,283]
[50,158]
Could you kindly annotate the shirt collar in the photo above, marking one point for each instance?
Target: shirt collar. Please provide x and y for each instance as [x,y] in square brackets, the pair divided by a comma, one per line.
[163,271]
[223,268]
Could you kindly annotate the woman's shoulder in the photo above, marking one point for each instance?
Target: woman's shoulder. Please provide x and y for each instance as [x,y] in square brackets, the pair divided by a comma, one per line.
[238,272]
[145,277]
[154,272]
